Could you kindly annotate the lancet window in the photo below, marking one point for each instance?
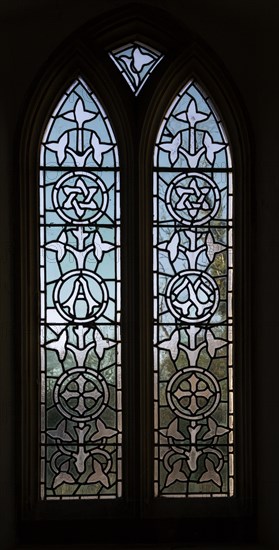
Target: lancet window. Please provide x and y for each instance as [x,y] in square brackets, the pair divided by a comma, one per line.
[81,411]
[193,312]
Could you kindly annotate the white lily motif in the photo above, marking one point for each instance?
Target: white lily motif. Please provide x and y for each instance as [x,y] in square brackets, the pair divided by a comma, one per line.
[102,431]
[79,114]
[192,115]
[100,246]
[171,345]
[99,148]
[172,147]
[59,345]
[176,474]
[213,247]
[59,147]
[63,476]
[214,343]
[140,59]
[210,474]
[60,432]
[101,344]
[211,147]
[99,475]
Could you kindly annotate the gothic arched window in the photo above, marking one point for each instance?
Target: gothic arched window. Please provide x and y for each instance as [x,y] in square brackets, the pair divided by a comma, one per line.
[136,311]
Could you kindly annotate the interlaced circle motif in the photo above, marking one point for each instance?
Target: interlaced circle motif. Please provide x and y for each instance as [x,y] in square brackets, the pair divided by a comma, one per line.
[80,198]
[193,199]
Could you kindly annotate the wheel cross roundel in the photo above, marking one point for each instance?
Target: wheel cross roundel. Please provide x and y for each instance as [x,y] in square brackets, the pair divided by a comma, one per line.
[193,393]
[81,394]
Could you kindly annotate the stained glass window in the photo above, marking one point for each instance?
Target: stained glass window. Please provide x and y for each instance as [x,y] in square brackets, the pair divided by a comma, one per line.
[80,302]
[193,312]
[136,61]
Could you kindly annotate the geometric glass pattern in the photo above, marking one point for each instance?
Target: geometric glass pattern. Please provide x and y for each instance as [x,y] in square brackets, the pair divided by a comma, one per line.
[136,61]
[80,302]
[193,308]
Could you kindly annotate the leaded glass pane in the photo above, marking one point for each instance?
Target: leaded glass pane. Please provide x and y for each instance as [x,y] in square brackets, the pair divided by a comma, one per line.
[193,317]
[80,302]
[136,61]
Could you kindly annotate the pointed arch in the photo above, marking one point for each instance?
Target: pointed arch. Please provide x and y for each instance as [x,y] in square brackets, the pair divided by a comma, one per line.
[135,122]
[80,293]
[193,284]
[213,86]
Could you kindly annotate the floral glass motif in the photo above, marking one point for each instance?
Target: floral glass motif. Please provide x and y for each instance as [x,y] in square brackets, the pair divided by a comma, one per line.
[136,61]
[193,321]
[80,302]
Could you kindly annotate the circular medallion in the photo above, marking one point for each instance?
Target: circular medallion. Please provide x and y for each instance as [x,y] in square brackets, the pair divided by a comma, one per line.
[81,394]
[80,296]
[192,296]
[193,393]
[193,198]
[80,198]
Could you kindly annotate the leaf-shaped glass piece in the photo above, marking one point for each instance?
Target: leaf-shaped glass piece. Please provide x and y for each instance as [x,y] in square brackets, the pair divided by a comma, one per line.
[63,476]
[99,148]
[136,61]
[171,345]
[59,147]
[59,345]
[172,147]
[173,430]
[102,431]
[176,474]
[57,247]
[214,343]
[101,344]
[210,474]
[213,247]
[60,432]
[99,475]
[79,114]
[100,246]
[214,429]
